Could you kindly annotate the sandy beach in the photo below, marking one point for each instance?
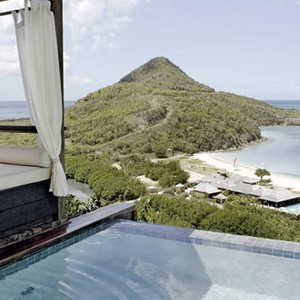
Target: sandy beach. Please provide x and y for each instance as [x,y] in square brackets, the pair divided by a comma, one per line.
[279,180]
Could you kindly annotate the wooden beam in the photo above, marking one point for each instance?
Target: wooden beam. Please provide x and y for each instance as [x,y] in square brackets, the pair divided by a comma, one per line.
[18,128]
[5,13]
[57,8]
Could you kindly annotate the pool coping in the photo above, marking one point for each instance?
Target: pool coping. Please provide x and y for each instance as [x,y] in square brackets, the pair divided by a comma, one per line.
[69,229]
[265,246]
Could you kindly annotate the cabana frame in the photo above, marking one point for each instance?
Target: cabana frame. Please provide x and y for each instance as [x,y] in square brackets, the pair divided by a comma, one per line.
[40,205]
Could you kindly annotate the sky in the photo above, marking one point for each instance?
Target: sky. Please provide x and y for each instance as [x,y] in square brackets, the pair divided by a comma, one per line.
[247,47]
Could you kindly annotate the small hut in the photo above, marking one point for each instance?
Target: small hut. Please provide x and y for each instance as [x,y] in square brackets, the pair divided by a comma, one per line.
[206,188]
[220,198]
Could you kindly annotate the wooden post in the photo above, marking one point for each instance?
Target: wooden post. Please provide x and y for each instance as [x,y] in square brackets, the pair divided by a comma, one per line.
[57,8]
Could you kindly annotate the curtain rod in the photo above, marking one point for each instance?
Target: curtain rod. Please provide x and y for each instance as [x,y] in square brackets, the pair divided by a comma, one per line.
[6,13]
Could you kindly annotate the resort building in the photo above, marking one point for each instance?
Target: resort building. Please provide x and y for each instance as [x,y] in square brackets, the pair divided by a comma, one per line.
[236,184]
[207,189]
[279,197]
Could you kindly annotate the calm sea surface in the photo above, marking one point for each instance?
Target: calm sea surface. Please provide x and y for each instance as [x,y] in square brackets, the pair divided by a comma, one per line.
[17,109]
[280,154]
[287,104]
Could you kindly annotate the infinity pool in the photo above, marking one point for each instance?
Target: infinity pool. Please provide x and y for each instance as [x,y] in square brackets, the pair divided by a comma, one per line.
[293,209]
[126,260]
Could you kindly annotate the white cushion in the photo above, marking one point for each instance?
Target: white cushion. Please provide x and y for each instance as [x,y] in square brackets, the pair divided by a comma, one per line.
[26,156]
[15,175]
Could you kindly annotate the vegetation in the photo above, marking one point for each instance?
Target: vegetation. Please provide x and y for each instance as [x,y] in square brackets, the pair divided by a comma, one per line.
[76,208]
[112,184]
[20,139]
[108,183]
[158,110]
[261,173]
[166,173]
[240,215]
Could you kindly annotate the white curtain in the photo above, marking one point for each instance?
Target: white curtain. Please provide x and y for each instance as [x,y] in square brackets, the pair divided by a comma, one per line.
[37,47]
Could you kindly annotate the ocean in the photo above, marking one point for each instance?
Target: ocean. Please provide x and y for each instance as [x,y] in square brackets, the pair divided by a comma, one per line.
[287,104]
[17,109]
[279,154]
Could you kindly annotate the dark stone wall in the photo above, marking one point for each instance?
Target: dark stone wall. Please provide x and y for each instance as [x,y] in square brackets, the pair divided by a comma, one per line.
[26,206]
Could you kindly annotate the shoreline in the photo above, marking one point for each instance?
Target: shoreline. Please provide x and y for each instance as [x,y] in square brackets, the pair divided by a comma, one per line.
[244,146]
[278,180]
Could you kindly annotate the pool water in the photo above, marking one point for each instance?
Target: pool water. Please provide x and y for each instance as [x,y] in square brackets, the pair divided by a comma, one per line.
[294,208]
[121,263]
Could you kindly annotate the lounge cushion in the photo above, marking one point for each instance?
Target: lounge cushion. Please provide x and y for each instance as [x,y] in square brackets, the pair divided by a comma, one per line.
[25,156]
[16,175]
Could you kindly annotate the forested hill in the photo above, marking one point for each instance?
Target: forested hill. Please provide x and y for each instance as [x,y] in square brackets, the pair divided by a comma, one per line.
[158,107]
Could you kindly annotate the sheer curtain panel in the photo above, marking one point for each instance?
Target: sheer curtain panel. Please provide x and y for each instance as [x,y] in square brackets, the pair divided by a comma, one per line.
[37,47]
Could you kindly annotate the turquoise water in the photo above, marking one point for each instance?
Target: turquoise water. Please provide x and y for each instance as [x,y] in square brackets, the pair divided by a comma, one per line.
[280,154]
[294,209]
[117,264]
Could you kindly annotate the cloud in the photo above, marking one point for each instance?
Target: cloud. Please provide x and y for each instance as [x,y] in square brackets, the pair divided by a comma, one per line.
[79,79]
[9,61]
[99,20]
[104,41]
[11,5]
[7,33]
[66,60]
[68,72]
[294,88]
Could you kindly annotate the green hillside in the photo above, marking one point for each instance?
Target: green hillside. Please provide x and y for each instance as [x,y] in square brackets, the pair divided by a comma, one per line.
[157,108]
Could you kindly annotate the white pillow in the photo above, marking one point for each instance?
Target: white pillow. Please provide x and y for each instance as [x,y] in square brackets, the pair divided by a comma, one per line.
[26,156]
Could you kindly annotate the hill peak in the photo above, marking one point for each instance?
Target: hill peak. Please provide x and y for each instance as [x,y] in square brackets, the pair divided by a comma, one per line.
[161,72]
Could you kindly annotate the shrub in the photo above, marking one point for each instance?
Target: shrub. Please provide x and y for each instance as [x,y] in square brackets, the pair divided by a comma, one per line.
[160,151]
[167,173]
[239,216]
[76,208]
[112,184]
[173,210]
[107,182]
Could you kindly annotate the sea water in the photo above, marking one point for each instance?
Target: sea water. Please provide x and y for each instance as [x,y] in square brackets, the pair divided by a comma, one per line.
[287,104]
[10,110]
[279,154]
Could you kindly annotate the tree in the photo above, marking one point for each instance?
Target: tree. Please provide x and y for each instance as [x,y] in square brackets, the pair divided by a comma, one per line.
[261,173]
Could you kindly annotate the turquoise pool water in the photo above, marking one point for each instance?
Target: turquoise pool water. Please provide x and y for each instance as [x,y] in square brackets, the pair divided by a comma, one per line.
[294,208]
[123,262]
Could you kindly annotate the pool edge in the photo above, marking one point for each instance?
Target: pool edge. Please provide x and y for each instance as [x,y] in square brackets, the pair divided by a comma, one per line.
[11,254]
